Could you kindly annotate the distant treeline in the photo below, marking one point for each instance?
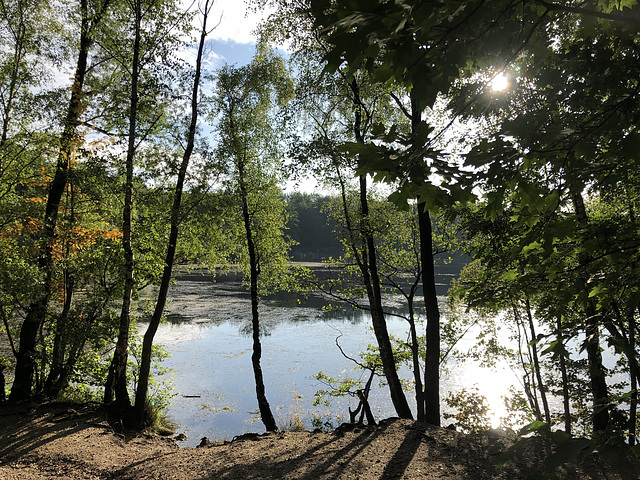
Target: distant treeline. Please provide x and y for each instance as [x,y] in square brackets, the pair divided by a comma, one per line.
[311,228]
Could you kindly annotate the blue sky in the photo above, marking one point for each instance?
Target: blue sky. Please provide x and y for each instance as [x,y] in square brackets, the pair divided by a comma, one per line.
[233,40]
[230,52]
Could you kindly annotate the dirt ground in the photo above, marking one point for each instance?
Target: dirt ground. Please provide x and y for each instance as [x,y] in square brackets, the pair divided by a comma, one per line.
[78,442]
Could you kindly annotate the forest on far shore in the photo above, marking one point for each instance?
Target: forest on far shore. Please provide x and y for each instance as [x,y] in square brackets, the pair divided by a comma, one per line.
[311,228]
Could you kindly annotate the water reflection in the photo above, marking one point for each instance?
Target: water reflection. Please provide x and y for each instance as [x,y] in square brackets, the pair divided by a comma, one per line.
[209,302]
[208,334]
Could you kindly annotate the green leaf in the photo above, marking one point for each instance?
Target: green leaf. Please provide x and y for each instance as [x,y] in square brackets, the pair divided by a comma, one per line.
[536,426]
[510,275]
[557,348]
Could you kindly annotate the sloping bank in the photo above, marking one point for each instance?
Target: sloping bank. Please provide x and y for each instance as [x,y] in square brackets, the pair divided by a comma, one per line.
[77,441]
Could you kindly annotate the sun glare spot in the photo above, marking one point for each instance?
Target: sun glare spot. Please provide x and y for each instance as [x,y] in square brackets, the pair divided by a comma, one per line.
[500,82]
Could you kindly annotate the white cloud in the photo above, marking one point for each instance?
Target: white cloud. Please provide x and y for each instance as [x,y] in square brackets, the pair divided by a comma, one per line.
[232,41]
[236,22]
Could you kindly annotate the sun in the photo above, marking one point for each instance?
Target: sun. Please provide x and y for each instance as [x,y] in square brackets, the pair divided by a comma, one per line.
[500,82]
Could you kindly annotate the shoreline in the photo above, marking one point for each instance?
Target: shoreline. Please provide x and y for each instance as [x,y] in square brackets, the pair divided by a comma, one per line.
[52,441]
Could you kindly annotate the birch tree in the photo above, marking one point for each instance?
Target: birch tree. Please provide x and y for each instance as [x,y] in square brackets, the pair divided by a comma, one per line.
[248,103]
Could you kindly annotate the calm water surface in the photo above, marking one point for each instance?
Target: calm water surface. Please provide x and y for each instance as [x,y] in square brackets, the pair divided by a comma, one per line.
[208,336]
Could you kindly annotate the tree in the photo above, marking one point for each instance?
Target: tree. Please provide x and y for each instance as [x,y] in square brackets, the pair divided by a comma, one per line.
[37,309]
[485,285]
[426,48]
[85,284]
[143,66]
[82,286]
[375,162]
[571,145]
[21,154]
[145,365]
[340,108]
[116,386]
[398,257]
[247,102]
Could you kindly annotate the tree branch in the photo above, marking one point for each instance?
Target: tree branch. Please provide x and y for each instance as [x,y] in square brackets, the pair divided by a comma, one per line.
[402,107]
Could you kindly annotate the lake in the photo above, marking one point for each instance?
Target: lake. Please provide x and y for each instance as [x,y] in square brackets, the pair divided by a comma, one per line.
[208,337]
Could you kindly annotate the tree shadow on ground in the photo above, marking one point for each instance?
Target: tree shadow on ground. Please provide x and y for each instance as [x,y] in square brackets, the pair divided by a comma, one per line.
[19,438]
[392,450]
[396,449]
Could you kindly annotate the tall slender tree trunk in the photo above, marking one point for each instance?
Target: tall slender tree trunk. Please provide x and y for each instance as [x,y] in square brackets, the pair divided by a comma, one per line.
[369,269]
[432,355]
[565,380]
[599,387]
[536,363]
[372,283]
[415,358]
[116,386]
[147,345]
[19,53]
[37,310]
[59,341]
[633,401]
[633,372]
[263,404]
[528,384]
